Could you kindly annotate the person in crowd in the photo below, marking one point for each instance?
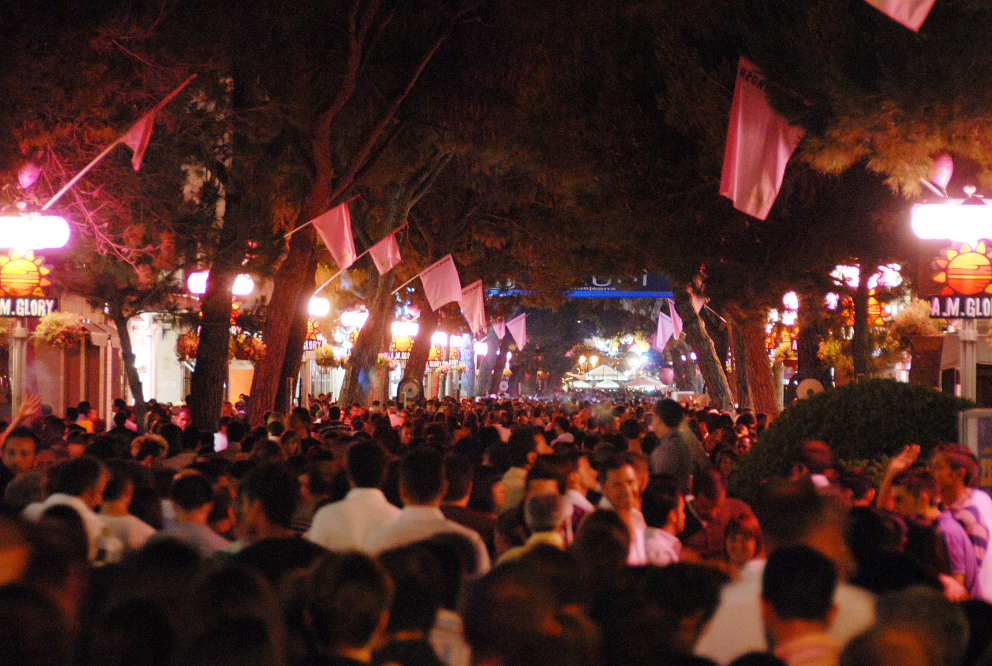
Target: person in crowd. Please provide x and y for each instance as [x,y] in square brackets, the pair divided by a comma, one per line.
[621,493]
[348,523]
[663,508]
[79,484]
[522,449]
[266,502]
[791,512]
[742,542]
[708,513]
[545,515]
[944,546]
[459,473]
[115,508]
[417,588]
[671,455]
[581,479]
[797,606]
[193,499]
[422,485]
[348,607]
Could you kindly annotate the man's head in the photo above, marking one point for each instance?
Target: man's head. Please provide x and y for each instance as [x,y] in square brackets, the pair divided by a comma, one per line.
[620,485]
[19,450]
[662,504]
[422,477]
[914,492]
[710,492]
[366,464]
[544,512]
[459,473]
[268,496]
[522,447]
[954,467]
[191,491]
[544,476]
[798,584]
[670,412]
[183,418]
[84,477]
[349,601]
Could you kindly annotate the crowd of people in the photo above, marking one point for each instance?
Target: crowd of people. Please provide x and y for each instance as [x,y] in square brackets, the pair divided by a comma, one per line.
[477,532]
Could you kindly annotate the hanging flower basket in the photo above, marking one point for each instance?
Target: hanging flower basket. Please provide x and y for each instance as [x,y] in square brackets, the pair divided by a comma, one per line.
[325,357]
[245,347]
[60,329]
[384,361]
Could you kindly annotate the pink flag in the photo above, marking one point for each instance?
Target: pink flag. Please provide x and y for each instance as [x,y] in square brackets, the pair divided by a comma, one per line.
[697,301]
[385,254]
[334,227]
[665,332]
[140,134]
[759,144]
[676,319]
[911,13]
[474,307]
[441,284]
[518,329]
[499,327]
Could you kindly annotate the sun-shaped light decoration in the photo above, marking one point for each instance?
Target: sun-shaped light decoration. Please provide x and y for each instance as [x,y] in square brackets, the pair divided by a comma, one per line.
[23,276]
[965,271]
[312,329]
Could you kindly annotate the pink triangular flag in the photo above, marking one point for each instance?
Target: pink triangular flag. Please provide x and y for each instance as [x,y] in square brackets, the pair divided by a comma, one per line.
[518,329]
[473,307]
[911,13]
[441,283]
[385,254]
[759,144]
[665,332]
[676,319]
[499,327]
[138,136]
[334,228]
[697,301]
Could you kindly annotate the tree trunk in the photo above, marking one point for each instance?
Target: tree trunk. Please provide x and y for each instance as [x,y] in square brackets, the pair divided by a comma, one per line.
[417,363]
[210,372]
[484,375]
[760,382]
[685,370]
[131,372]
[717,386]
[740,364]
[293,355]
[371,341]
[810,333]
[859,342]
[500,363]
[293,282]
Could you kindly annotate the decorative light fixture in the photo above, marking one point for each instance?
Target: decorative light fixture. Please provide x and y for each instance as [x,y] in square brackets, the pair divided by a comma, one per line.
[319,307]
[33,232]
[354,318]
[197,284]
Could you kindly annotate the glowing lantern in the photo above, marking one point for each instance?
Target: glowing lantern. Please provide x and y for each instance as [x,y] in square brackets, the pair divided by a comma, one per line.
[197,284]
[319,307]
[354,318]
[33,232]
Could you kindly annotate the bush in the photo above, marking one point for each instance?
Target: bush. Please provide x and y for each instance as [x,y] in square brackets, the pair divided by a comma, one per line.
[863,423]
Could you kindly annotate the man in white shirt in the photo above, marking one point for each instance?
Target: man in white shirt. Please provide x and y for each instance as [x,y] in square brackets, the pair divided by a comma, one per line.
[663,508]
[347,524]
[790,513]
[79,483]
[622,493]
[422,486]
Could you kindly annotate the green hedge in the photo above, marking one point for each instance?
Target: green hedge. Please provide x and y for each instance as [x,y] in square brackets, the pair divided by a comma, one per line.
[862,423]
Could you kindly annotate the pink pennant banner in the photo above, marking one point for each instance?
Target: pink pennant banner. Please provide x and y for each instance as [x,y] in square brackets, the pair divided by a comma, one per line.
[676,319]
[665,332]
[499,327]
[441,283]
[759,145]
[385,254]
[334,228]
[698,302]
[474,307]
[518,329]
[140,134]
[911,13]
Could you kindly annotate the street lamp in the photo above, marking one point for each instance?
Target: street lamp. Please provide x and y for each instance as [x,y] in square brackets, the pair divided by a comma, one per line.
[966,221]
[33,232]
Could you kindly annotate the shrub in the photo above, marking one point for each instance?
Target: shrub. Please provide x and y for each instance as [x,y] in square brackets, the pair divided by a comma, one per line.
[864,423]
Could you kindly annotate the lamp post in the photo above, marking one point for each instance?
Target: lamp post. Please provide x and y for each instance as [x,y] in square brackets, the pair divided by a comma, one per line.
[966,221]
